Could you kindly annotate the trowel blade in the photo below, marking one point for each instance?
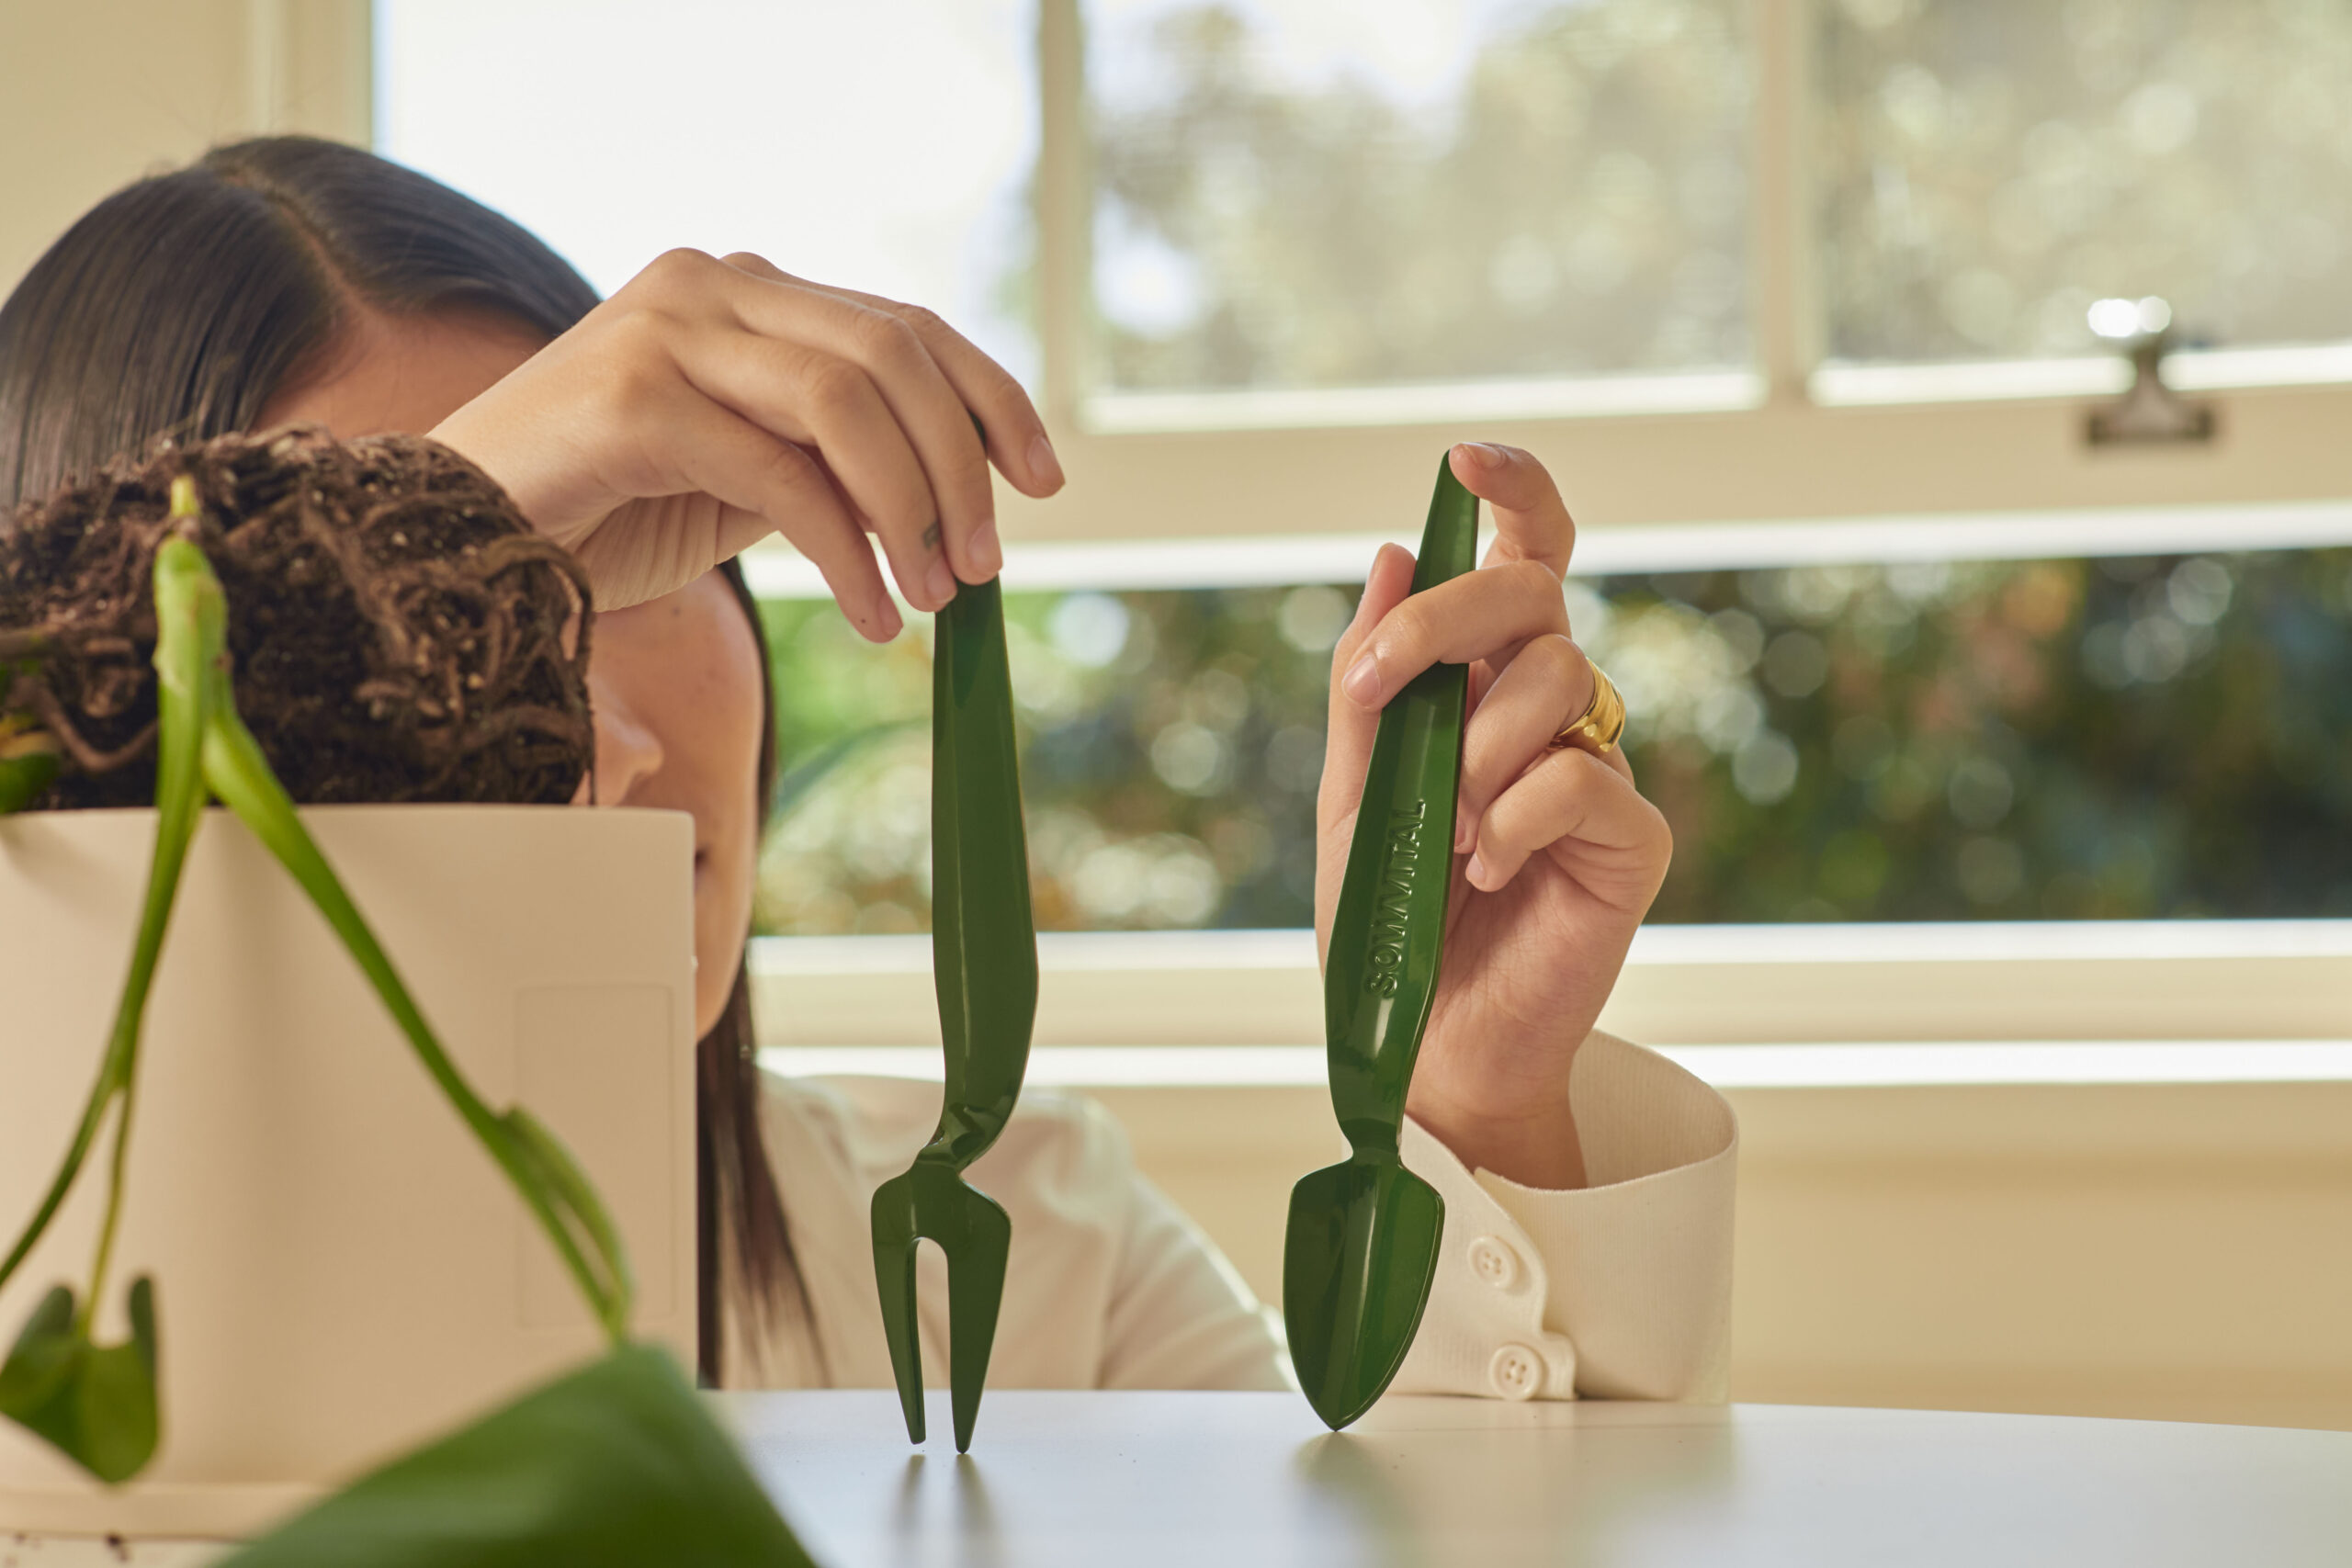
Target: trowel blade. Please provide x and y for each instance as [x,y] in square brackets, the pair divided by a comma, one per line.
[1358,1260]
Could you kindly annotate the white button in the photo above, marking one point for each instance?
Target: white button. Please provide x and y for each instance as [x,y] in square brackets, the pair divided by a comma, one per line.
[1492,1259]
[1516,1372]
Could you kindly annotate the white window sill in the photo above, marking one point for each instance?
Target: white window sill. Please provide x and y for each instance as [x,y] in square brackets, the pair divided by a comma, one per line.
[1311,408]
[1832,384]
[2013,1063]
[2189,983]
[1285,560]
[1836,385]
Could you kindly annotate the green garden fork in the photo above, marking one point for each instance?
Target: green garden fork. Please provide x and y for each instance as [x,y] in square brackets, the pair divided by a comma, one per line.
[984,956]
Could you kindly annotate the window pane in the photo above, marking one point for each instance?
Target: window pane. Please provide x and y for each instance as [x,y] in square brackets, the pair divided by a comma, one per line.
[2066,739]
[617,130]
[1294,194]
[1171,746]
[1989,168]
[2112,738]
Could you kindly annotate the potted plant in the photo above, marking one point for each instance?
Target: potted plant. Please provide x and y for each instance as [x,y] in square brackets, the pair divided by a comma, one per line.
[263,1253]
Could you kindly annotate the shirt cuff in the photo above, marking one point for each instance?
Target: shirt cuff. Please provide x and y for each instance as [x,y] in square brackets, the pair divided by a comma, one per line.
[1483,1332]
[1619,1290]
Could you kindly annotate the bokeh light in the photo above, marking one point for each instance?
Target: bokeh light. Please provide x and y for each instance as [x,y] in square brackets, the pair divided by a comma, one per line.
[2116,738]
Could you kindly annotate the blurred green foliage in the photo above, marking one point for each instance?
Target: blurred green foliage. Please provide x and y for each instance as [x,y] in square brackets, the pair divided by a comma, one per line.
[1985,170]
[1173,743]
[1560,188]
[2117,738]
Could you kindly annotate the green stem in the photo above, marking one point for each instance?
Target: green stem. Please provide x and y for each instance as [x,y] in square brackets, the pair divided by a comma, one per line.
[82,1319]
[240,776]
[231,764]
[179,795]
[182,698]
[101,1094]
[116,1070]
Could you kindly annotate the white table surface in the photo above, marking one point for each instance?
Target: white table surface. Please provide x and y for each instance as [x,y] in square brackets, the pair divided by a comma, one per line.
[1238,1479]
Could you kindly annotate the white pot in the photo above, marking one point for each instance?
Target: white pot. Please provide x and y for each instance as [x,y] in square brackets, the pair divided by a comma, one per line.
[340,1271]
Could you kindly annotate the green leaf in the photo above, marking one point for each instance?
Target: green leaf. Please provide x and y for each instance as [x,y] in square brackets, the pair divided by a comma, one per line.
[617,1463]
[27,763]
[43,1358]
[96,1403]
[551,1169]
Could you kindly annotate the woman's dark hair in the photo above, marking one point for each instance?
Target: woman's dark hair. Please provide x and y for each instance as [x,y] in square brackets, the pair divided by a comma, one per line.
[180,306]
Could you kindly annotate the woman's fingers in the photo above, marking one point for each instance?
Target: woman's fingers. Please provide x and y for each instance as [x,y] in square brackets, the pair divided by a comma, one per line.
[1016,436]
[1532,523]
[750,471]
[1507,618]
[1347,747]
[978,390]
[1588,816]
[1481,615]
[706,399]
[1541,691]
[830,406]
[959,537]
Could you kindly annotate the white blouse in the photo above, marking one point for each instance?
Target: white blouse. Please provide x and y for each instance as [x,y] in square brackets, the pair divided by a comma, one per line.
[1618,1290]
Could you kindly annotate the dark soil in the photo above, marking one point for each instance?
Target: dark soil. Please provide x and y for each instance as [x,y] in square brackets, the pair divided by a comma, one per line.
[397,632]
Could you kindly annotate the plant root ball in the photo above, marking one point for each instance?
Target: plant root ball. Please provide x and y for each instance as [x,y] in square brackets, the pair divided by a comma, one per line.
[396,630]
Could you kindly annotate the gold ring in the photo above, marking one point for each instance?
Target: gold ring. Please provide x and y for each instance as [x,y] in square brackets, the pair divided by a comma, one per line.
[1602,725]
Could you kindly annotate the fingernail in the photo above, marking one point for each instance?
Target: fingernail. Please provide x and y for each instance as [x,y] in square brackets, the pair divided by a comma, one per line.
[886,619]
[1362,682]
[1487,456]
[988,554]
[941,579]
[1043,463]
[1478,872]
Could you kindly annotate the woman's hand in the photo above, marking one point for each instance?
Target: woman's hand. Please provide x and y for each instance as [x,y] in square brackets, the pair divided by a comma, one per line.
[710,403]
[1557,855]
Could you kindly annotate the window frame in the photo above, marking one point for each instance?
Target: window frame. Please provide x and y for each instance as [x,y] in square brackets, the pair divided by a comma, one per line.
[1236,1007]
[1239,995]
[1792,435]
[1789,440]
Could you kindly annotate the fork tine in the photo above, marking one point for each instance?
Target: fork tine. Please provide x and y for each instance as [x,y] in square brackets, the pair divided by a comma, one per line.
[976,1265]
[932,1202]
[896,1232]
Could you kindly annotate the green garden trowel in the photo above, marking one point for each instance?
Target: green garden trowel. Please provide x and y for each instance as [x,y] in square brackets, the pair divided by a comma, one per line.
[1362,1244]
[984,956]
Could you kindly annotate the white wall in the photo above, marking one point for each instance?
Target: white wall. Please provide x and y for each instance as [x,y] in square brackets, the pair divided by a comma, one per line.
[2173,1251]
[96,93]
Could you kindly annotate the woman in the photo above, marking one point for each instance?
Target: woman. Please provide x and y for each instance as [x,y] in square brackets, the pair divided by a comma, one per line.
[710,403]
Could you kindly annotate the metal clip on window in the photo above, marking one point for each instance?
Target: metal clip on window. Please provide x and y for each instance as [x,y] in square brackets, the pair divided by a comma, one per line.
[2150,414]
